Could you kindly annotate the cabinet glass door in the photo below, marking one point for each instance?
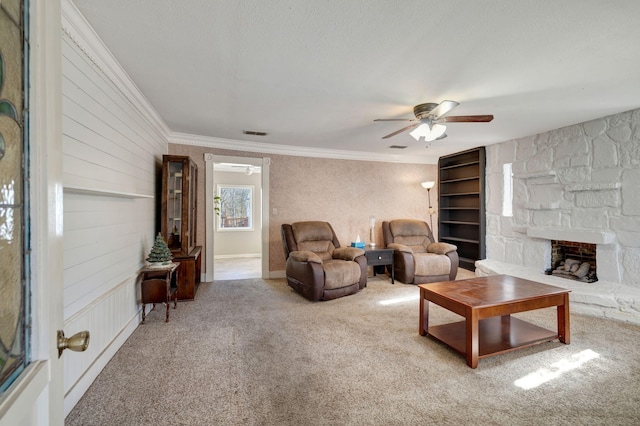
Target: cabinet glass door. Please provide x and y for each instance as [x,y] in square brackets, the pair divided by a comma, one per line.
[174,205]
[193,178]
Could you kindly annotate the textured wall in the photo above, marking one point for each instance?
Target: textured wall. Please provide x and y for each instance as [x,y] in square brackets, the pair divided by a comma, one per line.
[342,192]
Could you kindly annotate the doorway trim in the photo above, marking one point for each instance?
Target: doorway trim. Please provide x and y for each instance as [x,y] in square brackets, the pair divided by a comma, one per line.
[210,186]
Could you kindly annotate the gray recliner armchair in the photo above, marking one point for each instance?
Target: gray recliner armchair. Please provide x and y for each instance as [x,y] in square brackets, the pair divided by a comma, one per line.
[417,258]
[317,267]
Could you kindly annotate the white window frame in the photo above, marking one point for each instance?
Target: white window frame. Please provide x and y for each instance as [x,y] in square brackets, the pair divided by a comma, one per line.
[250,227]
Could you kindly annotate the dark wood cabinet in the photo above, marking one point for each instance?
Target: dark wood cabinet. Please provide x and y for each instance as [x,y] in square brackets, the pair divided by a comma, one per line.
[178,220]
[461,218]
[189,273]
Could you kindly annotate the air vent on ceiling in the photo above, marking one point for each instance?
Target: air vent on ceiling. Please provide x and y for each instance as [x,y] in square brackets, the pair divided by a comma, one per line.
[397,146]
[254,133]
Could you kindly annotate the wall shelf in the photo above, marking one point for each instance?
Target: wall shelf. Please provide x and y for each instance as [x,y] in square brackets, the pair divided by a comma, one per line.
[462,164]
[456,222]
[459,194]
[467,260]
[460,240]
[461,179]
[459,208]
[461,218]
[104,192]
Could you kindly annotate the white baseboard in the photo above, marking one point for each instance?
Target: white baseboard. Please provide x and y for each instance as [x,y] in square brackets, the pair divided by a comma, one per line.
[277,274]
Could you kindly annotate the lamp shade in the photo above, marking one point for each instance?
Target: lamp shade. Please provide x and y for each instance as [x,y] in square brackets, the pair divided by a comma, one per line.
[428,184]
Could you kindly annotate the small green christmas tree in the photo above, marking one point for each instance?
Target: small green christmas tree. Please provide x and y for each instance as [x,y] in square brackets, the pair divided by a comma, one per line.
[160,252]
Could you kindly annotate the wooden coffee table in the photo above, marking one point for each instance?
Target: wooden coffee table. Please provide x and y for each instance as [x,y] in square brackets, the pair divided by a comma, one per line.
[487,303]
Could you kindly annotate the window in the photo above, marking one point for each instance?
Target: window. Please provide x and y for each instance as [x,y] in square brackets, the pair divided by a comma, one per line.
[507,190]
[236,208]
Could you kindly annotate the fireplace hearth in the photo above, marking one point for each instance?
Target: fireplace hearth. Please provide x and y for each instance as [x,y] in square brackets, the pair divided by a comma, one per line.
[573,260]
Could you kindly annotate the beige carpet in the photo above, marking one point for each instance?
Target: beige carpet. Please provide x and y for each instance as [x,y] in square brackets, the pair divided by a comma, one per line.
[253,352]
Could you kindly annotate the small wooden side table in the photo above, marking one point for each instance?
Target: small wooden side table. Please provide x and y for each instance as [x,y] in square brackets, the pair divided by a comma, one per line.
[380,256]
[159,286]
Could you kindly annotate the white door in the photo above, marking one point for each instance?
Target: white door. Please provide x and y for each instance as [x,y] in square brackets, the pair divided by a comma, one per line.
[36,397]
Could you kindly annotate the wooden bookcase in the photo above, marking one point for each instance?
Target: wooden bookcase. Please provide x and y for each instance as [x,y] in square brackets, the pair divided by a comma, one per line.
[461,218]
[178,219]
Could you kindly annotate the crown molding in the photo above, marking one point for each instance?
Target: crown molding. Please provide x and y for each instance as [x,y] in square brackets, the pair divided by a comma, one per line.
[76,26]
[296,151]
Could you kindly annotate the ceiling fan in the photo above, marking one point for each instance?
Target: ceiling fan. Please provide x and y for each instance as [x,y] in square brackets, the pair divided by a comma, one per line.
[429,119]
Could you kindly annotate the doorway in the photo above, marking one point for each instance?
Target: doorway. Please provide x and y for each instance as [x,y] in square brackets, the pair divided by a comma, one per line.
[237,235]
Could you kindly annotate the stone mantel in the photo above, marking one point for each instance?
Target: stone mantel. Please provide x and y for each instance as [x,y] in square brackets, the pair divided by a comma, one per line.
[591,236]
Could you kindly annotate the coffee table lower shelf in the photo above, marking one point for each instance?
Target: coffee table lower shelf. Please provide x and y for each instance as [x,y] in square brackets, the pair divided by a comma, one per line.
[496,335]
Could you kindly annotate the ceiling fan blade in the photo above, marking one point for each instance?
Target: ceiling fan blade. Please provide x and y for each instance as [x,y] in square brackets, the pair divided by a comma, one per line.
[442,109]
[410,126]
[467,119]
[395,119]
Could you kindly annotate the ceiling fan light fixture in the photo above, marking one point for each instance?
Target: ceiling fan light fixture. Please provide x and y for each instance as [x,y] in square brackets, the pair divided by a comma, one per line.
[436,131]
[429,133]
[422,130]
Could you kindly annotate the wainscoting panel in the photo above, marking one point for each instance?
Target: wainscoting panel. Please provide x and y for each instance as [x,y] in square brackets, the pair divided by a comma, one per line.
[110,319]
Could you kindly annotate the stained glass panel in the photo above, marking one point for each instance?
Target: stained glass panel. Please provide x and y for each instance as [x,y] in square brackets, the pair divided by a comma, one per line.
[13,314]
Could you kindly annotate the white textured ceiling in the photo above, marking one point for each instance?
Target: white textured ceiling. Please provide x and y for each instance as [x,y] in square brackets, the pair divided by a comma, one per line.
[316,73]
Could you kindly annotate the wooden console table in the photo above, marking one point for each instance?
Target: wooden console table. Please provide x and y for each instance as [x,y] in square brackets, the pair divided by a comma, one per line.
[487,303]
[158,285]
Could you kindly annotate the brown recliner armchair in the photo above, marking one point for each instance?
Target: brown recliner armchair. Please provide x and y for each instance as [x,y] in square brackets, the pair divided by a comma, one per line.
[417,258]
[317,267]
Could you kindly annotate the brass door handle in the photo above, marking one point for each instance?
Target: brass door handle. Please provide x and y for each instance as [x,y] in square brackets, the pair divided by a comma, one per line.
[79,342]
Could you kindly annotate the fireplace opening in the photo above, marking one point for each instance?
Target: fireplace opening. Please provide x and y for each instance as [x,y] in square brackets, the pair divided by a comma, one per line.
[573,260]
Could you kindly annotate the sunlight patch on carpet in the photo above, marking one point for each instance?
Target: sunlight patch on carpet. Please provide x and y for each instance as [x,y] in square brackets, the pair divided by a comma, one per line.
[556,369]
[395,300]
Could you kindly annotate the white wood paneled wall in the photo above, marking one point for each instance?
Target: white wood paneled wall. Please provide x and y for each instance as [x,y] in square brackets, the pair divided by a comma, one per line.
[113,144]
[105,144]
[106,240]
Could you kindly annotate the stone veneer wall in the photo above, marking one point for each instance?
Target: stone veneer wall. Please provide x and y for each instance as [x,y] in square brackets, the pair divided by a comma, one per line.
[579,180]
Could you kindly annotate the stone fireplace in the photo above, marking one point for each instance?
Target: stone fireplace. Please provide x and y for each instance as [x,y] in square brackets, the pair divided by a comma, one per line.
[578,187]
[573,260]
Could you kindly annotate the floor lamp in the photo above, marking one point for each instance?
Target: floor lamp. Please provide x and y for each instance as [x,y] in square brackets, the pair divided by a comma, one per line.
[428,185]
